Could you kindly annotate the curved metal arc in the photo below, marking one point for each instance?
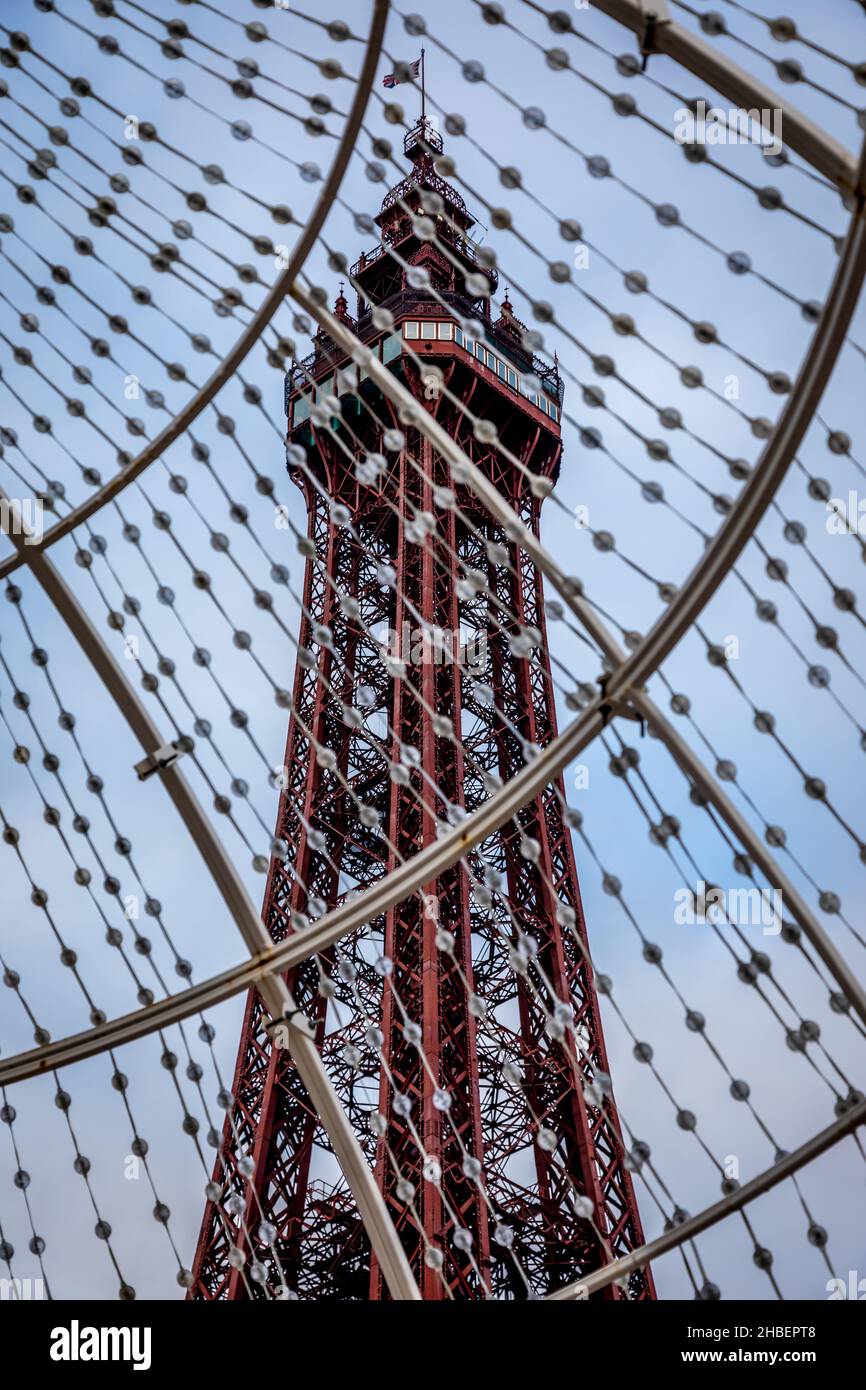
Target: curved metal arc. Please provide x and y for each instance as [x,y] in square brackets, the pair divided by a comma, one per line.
[127,1028]
[711,1216]
[254,329]
[801,135]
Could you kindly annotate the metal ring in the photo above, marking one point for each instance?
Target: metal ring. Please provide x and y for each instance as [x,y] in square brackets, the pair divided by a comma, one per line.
[691,599]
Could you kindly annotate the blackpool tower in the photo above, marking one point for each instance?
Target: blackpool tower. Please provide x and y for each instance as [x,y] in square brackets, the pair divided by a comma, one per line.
[461,1028]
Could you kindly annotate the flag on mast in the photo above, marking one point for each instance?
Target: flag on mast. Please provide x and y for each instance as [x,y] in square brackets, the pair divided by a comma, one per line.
[404,72]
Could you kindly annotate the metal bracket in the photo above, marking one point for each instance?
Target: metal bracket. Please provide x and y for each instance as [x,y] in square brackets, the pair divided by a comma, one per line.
[161,758]
[648,39]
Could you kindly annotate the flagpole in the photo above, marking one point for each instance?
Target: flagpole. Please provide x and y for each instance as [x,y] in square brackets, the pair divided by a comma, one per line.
[423,89]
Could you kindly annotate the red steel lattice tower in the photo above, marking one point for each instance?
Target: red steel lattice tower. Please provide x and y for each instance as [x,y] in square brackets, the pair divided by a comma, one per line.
[466,1016]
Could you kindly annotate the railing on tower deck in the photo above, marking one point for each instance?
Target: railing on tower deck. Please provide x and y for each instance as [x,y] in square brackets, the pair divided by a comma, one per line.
[326,357]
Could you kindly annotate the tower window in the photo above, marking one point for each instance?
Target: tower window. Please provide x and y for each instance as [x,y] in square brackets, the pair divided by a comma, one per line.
[446,330]
[512,379]
[410,330]
[428,330]
[392,347]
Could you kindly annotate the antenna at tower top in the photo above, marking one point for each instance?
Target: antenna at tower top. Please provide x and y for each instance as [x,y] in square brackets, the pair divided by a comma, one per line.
[423,90]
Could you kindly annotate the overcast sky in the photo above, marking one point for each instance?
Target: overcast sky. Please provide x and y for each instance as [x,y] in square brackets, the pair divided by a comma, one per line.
[756,315]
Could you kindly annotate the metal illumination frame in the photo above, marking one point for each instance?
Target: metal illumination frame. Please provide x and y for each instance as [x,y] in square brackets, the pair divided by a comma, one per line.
[272,986]
[650,20]
[625,681]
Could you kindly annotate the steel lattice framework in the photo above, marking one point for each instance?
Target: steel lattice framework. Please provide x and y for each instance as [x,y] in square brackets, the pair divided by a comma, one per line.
[321,1240]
